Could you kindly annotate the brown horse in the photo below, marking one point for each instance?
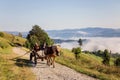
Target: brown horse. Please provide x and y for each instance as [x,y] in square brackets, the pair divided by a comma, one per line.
[51,53]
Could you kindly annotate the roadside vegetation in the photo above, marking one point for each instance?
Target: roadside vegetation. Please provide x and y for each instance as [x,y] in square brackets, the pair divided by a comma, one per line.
[12,68]
[90,64]
[5,46]
[13,40]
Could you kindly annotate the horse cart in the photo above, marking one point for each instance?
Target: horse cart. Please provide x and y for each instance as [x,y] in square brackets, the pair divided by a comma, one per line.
[48,53]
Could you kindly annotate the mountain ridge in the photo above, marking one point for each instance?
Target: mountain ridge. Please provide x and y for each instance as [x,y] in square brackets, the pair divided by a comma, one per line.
[81,32]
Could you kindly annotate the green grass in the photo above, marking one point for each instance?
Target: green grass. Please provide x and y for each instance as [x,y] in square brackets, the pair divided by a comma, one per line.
[89,64]
[7,41]
[12,68]
[13,39]
[19,40]
[5,46]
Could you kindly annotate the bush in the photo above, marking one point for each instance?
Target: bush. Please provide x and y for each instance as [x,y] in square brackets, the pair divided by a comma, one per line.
[106,57]
[117,62]
[37,35]
[77,52]
[1,34]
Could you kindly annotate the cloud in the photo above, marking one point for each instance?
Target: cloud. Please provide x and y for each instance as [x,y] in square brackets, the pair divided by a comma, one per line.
[82,32]
[94,44]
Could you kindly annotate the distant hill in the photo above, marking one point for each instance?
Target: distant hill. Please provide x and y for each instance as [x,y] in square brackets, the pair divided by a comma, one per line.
[24,34]
[83,32]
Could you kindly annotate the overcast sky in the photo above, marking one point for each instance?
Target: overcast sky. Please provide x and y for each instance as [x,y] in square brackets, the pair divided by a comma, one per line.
[21,15]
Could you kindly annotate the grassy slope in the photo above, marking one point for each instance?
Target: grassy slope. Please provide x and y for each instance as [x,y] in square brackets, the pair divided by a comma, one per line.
[7,40]
[11,68]
[89,64]
[13,39]
[14,69]
[5,46]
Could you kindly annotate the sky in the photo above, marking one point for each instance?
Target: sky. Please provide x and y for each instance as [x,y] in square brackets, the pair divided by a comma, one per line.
[22,15]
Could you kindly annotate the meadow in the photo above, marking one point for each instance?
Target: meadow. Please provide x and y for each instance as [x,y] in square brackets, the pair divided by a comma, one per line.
[11,67]
[89,64]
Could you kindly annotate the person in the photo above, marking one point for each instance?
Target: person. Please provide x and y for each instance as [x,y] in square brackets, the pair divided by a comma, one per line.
[42,48]
[44,45]
[34,53]
[36,47]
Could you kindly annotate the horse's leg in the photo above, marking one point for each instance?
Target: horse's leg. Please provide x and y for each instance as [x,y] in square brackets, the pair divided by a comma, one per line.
[53,62]
[42,55]
[47,57]
[35,59]
[31,56]
[49,60]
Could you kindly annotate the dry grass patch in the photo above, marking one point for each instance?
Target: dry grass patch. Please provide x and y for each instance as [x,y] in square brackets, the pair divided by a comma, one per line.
[10,68]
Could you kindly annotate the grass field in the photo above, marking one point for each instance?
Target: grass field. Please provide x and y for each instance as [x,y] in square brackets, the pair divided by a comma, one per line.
[5,46]
[12,68]
[89,64]
[13,39]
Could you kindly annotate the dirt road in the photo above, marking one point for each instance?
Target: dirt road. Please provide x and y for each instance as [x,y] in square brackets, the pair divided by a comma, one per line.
[60,72]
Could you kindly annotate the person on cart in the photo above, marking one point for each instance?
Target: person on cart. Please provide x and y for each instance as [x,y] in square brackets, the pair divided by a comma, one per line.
[34,53]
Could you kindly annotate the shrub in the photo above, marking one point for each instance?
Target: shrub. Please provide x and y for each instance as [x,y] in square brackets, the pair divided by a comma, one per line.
[117,62]
[38,35]
[1,34]
[106,57]
[77,52]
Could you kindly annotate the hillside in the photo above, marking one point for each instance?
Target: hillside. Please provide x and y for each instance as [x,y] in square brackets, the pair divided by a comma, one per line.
[5,46]
[11,68]
[89,64]
[13,40]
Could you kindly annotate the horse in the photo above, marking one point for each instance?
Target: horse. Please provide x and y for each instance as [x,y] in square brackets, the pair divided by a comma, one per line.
[50,54]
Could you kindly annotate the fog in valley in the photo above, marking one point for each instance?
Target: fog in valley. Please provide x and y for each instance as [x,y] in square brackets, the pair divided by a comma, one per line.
[96,43]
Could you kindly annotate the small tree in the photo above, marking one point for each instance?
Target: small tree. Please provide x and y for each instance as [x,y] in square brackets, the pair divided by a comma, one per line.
[20,34]
[77,52]
[80,42]
[13,38]
[117,62]
[37,35]
[106,57]
[1,34]
[99,53]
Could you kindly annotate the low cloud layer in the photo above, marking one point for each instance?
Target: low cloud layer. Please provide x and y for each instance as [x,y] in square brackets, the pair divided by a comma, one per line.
[93,44]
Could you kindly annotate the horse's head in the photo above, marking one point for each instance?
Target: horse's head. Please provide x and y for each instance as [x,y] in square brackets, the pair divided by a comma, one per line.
[56,49]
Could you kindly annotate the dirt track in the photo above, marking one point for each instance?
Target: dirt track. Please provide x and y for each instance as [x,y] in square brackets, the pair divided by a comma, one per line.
[60,72]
